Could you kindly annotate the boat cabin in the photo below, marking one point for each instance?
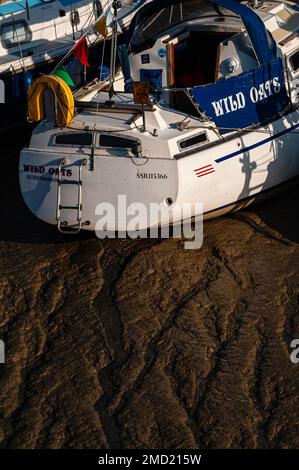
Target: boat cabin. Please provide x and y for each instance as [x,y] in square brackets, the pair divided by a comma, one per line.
[195,43]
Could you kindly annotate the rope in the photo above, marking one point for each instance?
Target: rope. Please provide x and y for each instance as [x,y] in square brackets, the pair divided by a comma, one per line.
[19,45]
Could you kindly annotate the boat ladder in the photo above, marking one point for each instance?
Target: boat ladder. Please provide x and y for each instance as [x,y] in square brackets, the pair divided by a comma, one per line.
[64,226]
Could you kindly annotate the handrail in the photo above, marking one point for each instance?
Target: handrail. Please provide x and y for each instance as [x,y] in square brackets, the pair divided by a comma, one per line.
[115,107]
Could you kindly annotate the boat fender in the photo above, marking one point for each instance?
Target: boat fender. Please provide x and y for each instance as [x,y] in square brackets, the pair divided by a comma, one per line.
[27,81]
[65,100]
[16,85]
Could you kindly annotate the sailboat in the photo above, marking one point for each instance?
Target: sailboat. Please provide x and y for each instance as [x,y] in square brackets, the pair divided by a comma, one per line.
[209,113]
[37,34]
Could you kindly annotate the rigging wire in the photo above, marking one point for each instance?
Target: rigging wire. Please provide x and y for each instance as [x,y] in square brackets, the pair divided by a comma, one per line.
[69,53]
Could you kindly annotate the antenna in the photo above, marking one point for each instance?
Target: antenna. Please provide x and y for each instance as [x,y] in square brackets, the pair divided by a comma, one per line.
[113,52]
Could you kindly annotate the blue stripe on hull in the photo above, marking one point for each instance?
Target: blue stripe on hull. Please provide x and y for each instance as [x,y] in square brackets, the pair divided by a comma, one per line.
[258,144]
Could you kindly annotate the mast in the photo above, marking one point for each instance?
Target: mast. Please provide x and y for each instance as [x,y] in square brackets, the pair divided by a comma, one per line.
[113,51]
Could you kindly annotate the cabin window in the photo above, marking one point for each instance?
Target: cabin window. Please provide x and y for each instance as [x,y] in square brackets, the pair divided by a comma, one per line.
[114,141]
[193,141]
[15,33]
[294,59]
[83,139]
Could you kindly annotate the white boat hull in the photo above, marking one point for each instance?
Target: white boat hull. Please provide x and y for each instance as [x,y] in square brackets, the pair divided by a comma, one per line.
[221,176]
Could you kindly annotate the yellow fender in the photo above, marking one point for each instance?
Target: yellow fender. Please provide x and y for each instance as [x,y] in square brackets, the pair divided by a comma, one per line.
[65,100]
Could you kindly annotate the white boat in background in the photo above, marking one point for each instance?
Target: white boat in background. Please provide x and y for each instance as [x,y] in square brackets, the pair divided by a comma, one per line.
[36,34]
[220,127]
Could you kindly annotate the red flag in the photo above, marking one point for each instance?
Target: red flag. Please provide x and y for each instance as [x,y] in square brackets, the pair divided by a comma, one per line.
[81,51]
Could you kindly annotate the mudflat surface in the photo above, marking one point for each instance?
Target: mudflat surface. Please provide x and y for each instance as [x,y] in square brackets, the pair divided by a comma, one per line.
[125,343]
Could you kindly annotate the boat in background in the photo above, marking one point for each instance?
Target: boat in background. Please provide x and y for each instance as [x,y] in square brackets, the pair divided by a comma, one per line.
[220,125]
[37,34]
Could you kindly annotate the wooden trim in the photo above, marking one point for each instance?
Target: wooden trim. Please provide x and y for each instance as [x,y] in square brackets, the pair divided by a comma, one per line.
[170,65]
